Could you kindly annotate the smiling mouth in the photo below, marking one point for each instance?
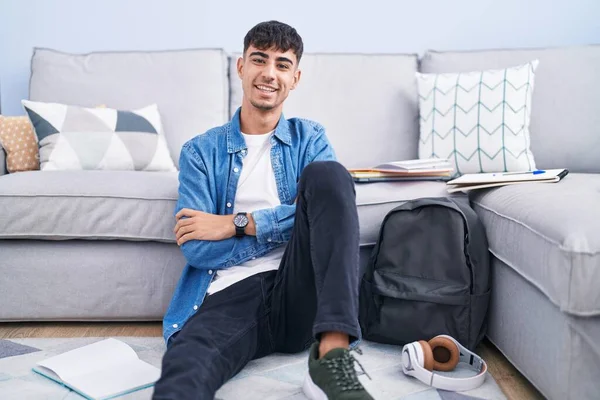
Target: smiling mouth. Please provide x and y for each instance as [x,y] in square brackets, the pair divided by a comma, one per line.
[265,89]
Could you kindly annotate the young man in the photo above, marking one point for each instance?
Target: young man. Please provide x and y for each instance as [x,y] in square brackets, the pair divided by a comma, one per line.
[267,221]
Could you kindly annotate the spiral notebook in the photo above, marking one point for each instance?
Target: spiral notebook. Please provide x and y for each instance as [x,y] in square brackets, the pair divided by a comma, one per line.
[102,370]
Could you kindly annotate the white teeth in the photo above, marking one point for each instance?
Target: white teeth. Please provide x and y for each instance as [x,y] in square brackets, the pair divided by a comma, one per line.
[265,88]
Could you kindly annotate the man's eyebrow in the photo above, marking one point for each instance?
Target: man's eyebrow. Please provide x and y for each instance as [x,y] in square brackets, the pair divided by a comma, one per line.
[285,59]
[259,53]
[265,55]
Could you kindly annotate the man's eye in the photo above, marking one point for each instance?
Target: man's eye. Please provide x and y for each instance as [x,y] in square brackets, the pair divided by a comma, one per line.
[259,60]
[284,66]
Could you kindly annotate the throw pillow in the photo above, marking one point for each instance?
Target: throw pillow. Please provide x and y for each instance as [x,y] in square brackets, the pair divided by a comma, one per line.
[19,143]
[478,120]
[80,138]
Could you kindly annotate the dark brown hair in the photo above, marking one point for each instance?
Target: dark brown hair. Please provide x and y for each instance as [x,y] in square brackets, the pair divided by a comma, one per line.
[274,34]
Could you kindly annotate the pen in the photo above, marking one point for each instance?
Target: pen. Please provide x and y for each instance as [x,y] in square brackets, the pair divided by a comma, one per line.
[536,172]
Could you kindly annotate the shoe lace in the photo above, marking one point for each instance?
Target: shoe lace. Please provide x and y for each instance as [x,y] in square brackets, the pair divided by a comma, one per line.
[344,373]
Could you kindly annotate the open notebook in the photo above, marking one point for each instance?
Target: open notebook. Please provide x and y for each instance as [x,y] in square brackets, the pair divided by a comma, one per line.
[468,182]
[101,370]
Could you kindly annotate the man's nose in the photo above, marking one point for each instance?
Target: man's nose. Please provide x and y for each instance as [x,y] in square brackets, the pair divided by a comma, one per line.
[268,72]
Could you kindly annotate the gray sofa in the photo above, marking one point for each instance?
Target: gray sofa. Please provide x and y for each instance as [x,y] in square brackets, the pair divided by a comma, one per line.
[98,245]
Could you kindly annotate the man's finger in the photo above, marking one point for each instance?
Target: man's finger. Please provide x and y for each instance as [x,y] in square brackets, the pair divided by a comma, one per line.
[182,231]
[182,222]
[184,212]
[185,238]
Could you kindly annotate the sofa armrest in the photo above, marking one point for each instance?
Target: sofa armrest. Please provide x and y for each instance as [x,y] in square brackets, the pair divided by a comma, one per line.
[2,160]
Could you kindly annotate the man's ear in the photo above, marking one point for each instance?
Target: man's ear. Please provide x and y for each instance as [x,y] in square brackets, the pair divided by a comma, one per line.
[240,66]
[297,75]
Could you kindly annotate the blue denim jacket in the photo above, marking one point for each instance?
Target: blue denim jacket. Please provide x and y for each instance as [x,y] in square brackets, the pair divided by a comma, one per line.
[209,168]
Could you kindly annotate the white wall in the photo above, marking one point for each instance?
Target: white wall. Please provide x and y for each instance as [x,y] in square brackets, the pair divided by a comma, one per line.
[373,26]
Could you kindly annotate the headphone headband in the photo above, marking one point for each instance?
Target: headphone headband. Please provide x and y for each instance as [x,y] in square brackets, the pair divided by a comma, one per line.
[413,360]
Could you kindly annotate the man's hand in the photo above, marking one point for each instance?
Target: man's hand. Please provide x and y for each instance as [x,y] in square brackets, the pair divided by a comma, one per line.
[202,226]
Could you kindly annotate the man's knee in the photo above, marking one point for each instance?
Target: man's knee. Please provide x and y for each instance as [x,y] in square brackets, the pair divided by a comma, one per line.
[328,176]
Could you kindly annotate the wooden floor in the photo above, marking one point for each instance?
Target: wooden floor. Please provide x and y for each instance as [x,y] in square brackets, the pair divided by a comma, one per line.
[512,383]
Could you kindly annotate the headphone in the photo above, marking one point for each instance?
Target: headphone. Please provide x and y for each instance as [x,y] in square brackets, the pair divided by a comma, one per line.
[442,353]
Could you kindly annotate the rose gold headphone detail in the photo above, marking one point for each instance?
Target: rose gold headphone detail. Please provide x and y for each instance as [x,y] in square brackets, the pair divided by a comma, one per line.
[440,354]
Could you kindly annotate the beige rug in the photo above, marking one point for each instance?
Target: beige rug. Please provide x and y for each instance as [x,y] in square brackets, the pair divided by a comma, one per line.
[274,377]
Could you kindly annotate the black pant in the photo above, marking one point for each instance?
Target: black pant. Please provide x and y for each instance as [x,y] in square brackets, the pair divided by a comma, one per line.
[315,290]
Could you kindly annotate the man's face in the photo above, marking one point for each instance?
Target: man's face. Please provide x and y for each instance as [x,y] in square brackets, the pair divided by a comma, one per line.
[268,76]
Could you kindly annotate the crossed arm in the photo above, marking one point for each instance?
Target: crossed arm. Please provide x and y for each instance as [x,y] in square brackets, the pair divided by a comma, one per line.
[206,238]
[200,225]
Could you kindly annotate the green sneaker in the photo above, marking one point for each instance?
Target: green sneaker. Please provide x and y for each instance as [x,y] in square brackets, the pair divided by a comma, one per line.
[333,377]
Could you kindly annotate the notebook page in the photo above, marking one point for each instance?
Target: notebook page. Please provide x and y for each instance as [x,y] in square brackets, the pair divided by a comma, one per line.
[116,380]
[94,357]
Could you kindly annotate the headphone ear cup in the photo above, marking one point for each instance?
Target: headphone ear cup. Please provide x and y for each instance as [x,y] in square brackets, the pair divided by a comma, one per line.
[428,361]
[444,352]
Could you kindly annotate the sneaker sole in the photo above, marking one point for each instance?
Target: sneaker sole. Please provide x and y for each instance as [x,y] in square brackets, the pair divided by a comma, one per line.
[312,391]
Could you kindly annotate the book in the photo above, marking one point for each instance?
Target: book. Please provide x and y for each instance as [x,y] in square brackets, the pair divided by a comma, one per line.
[429,165]
[468,182]
[395,178]
[101,370]
[416,165]
[428,169]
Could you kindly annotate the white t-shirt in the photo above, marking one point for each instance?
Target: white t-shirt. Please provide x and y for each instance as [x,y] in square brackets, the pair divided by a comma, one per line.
[256,190]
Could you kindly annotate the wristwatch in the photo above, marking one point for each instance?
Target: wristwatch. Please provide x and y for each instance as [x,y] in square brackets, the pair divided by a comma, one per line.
[240,221]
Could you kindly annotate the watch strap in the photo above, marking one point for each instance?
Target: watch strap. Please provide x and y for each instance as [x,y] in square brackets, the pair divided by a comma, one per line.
[239,231]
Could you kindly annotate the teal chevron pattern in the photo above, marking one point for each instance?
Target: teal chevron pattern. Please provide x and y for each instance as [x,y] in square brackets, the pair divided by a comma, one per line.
[479,120]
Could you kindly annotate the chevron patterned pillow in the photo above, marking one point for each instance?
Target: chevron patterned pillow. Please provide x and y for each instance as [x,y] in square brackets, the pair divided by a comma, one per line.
[79,138]
[479,120]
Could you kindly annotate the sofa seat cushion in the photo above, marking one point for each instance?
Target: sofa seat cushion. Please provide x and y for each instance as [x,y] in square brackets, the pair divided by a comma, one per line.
[548,233]
[54,205]
[137,205]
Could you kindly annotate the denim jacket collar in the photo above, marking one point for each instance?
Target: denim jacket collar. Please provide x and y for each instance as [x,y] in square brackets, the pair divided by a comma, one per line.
[236,142]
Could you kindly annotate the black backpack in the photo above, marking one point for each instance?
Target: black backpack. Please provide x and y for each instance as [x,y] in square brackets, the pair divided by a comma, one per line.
[428,275]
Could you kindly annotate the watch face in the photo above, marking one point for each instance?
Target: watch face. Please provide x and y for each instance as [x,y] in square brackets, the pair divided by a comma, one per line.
[240,220]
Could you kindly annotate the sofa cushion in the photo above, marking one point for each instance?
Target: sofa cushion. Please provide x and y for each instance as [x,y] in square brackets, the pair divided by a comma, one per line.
[367,104]
[134,205]
[191,87]
[20,145]
[564,109]
[548,233]
[80,138]
[129,205]
[478,120]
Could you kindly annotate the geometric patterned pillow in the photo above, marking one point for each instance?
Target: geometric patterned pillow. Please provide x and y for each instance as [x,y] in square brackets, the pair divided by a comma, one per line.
[80,138]
[20,144]
[478,120]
